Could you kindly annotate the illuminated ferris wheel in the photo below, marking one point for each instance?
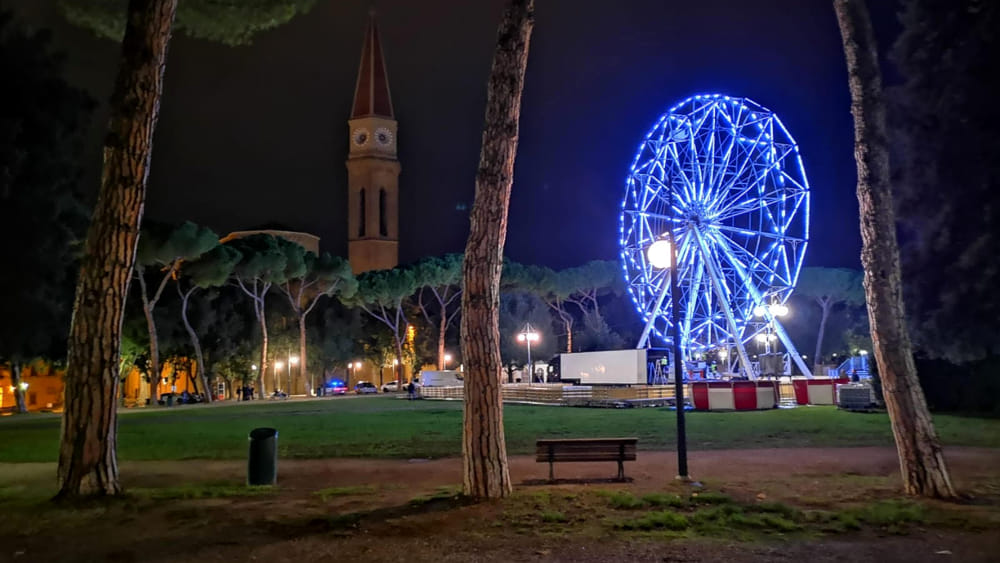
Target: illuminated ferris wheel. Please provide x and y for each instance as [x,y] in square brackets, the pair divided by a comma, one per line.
[724,177]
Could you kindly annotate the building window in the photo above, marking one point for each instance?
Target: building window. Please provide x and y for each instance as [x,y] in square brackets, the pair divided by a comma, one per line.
[361,215]
[383,227]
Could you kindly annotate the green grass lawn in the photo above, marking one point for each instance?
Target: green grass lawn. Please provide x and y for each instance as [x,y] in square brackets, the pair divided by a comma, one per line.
[387,427]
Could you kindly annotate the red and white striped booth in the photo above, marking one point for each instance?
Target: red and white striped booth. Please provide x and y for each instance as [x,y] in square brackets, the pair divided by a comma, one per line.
[734,395]
[816,391]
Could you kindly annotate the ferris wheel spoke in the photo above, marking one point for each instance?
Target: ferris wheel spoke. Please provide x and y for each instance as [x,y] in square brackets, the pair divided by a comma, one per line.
[756,182]
[688,186]
[731,248]
[751,205]
[695,287]
[748,232]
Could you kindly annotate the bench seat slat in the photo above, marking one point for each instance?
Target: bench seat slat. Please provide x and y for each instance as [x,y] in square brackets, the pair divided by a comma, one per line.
[558,450]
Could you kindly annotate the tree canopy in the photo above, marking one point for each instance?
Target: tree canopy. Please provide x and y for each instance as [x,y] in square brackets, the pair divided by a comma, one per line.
[944,119]
[231,22]
[42,119]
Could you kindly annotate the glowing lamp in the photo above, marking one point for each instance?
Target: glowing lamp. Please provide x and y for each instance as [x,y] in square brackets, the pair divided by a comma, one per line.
[659,254]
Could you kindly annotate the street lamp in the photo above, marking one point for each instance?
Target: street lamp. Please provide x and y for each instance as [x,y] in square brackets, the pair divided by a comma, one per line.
[528,335]
[776,309]
[274,373]
[352,367]
[447,358]
[292,360]
[662,254]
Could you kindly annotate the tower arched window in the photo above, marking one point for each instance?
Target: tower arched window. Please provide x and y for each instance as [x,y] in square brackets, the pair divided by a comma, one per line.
[361,214]
[383,226]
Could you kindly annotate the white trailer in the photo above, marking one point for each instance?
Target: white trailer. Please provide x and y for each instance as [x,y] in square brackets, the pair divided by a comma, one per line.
[612,367]
[444,378]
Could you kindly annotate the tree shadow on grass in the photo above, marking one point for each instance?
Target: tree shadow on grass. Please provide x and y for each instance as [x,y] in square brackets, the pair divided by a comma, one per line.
[352,521]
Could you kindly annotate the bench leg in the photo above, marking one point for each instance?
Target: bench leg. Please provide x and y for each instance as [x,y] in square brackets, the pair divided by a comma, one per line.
[621,470]
[551,474]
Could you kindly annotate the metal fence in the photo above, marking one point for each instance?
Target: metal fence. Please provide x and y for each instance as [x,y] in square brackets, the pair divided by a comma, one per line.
[560,394]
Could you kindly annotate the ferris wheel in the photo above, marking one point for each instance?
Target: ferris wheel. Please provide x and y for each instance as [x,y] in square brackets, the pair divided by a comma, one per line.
[722,179]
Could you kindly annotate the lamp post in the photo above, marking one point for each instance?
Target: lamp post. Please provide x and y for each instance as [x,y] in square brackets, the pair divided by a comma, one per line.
[447,358]
[274,374]
[528,335]
[663,254]
[292,360]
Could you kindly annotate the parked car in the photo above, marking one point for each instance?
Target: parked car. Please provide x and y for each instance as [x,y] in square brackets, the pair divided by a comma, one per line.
[335,387]
[365,387]
[394,386]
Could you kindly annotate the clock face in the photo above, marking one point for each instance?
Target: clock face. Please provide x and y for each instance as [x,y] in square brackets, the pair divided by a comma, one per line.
[360,137]
[383,137]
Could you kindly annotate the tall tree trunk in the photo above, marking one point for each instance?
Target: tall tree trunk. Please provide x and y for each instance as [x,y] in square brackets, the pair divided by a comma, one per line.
[399,370]
[154,348]
[302,355]
[196,343]
[88,463]
[263,355]
[825,304]
[921,460]
[20,405]
[442,333]
[484,452]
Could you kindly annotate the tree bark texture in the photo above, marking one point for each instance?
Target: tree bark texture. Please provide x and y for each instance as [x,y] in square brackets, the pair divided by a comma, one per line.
[921,460]
[196,342]
[302,357]
[20,404]
[88,462]
[154,348]
[263,357]
[442,332]
[484,451]
[825,304]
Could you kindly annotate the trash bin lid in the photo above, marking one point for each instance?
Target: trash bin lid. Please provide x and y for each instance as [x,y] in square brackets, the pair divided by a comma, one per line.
[263,433]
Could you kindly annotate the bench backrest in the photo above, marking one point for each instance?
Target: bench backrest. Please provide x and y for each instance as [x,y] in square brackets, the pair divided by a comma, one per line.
[586,449]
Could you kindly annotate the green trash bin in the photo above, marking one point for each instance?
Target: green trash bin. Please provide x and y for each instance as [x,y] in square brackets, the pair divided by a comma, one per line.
[262,463]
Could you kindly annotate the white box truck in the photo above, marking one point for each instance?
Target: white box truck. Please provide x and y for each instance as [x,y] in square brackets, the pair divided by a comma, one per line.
[612,367]
[444,378]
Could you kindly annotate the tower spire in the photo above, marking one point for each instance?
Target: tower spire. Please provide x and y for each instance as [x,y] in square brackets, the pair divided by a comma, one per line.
[371,93]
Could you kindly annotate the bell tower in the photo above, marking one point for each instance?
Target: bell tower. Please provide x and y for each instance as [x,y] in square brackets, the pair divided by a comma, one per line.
[372,166]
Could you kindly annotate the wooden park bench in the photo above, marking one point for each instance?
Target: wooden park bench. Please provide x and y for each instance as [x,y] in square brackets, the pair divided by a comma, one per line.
[586,449]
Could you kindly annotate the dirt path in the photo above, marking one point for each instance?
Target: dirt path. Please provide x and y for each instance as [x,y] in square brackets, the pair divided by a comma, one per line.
[295,525]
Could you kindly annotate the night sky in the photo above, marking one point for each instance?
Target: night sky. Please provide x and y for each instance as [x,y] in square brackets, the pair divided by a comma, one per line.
[258,134]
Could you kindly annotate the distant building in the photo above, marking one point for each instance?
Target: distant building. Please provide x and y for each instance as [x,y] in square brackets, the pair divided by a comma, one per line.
[372,166]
